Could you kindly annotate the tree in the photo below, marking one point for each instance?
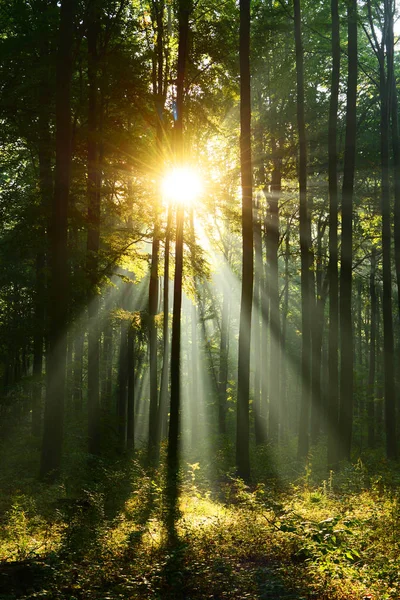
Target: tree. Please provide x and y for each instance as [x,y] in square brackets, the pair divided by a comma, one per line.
[243,390]
[346,326]
[385,92]
[372,354]
[58,286]
[305,243]
[93,235]
[333,336]
[184,11]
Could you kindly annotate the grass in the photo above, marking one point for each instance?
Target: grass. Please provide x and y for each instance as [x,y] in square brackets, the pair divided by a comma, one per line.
[99,534]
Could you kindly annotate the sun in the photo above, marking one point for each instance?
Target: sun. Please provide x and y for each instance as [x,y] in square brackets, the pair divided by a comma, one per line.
[182,185]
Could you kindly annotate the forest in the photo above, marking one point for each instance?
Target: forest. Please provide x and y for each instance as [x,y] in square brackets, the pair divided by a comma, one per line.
[199,299]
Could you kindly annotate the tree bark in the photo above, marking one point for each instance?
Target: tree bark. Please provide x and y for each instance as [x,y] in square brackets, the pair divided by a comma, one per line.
[256,325]
[106,391]
[346,325]
[396,151]
[223,365]
[333,335]
[284,358]
[77,395]
[388,341]
[317,411]
[242,426]
[122,398]
[305,244]
[153,309]
[93,236]
[372,354]
[130,429]
[184,10]
[58,288]
[274,317]
[163,402]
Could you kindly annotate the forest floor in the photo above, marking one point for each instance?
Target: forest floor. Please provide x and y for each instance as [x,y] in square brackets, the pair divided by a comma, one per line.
[104,538]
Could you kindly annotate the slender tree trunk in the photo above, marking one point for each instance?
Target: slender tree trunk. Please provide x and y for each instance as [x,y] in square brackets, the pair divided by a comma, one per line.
[70,366]
[317,333]
[305,243]
[265,339]
[223,365]
[58,305]
[242,427]
[153,309]
[333,335]
[372,354]
[130,433]
[346,325]
[396,151]
[158,82]
[274,317]
[283,370]
[78,369]
[175,406]
[184,11]
[38,345]
[256,325]
[45,151]
[163,403]
[193,378]
[193,375]
[46,191]
[93,236]
[122,398]
[379,425]
[388,340]
[106,392]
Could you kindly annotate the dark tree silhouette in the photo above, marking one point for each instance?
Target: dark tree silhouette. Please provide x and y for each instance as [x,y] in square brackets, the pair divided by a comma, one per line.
[242,427]
[58,285]
[346,257]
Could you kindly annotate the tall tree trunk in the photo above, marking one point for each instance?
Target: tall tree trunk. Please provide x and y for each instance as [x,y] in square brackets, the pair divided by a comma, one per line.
[194,348]
[388,341]
[163,403]
[194,383]
[38,345]
[122,398]
[265,339]
[184,11]
[45,151]
[379,425]
[242,425]
[305,244]
[333,335]
[396,150]
[106,391]
[256,325]
[159,98]
[274,317]
[317,333]
[93,236]
[346,325]
[283,371]
[372,354]
[46,191]
[130,429]
[69,380]
[77,394]
[58,305]
[153,309]
[223,365]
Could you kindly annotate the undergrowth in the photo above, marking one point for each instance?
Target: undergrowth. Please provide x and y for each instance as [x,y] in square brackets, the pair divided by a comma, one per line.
[101,535]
